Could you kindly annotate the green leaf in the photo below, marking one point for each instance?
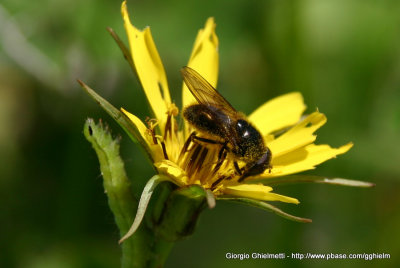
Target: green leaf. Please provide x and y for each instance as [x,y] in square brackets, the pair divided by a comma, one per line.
[144,201]
[265,206]
[314,179]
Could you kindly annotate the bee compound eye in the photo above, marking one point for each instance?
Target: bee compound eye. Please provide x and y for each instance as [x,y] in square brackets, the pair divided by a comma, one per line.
[241,126]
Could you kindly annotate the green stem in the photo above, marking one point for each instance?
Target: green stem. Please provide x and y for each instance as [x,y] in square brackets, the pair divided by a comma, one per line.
[144,249]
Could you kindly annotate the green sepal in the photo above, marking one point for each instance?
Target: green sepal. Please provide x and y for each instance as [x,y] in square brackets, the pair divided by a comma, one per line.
[143,203]
[265,206]
[160,198]
[292,179]
[181,212]
[119,117]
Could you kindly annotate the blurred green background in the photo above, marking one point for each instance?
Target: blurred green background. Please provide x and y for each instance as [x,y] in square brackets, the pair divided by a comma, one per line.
[343,55]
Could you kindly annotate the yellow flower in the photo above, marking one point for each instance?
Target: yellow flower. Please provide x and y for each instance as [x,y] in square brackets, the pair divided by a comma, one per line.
[186,162]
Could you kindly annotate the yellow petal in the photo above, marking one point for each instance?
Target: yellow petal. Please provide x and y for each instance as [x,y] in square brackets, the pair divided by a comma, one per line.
[173,171]
[204,58]
[148,67]
[304,159]
[154,150]
[298,136]
[257,191]
[278,113]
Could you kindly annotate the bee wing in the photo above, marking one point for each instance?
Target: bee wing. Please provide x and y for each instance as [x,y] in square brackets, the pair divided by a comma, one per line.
[203,92]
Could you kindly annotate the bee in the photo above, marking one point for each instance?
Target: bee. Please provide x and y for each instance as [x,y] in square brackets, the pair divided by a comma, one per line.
[213,115]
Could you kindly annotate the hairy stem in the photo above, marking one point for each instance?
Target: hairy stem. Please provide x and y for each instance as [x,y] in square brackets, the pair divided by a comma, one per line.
[143,249]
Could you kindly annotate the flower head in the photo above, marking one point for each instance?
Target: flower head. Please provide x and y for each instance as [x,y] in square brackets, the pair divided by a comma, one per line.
[186,158]
[186,161]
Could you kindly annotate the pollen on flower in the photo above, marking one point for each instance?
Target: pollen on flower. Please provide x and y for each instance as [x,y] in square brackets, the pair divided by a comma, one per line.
[173,109]
[151,124]
[202,160]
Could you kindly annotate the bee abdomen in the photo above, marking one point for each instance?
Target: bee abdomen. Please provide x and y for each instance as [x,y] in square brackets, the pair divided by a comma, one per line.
[204,118]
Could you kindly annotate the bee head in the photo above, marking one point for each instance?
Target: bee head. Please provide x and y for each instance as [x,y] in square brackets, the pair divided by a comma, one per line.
[258,167]
[250,145]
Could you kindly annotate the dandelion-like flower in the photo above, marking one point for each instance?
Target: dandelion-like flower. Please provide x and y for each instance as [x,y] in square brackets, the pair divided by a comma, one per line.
[186,161]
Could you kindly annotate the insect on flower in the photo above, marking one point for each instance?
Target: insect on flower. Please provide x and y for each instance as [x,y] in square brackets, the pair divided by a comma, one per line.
[215,117]
[226,157]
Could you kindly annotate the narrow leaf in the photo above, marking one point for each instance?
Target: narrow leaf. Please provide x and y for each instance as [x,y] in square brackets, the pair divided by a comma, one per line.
[120,117]
[265,206]
[143,202]
[315,179]
[124,49]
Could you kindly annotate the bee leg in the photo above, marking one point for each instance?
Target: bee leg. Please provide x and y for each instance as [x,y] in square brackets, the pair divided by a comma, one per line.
[164,150]
[186,145]
[235,164]
[253,169]
[194,137]
[215,183]
[221,152]
[221,158]
[188,141]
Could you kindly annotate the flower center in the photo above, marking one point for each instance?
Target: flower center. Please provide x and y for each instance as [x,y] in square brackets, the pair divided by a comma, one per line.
[204,160]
